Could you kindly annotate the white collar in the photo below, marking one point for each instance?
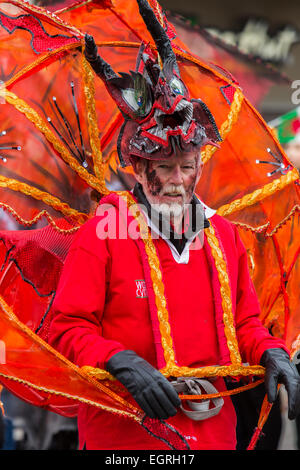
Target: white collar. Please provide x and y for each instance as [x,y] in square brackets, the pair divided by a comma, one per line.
[184,257]
[209,212]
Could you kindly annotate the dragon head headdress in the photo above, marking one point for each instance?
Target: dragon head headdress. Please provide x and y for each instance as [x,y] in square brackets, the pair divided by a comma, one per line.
[158,111]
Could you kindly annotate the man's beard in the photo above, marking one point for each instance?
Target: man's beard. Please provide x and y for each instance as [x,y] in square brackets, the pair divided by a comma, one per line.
[170,210]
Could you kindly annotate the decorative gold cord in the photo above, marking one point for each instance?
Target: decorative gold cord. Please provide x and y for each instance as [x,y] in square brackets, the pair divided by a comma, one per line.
[263,228]
[259,194]
[227,125]
[295,209]
[259,229]
[158,286]
[233,370]
[89,92]
[43,213]
[80,399]
[47,198]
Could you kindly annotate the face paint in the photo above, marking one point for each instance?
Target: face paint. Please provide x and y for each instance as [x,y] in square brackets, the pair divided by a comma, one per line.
[153,181]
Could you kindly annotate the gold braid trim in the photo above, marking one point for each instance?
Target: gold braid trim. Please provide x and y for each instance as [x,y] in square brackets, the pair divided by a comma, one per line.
[233,370]
[260,229]
[41,125]
[225,290]
[263,228]
[295,209]
[156,276]
[176,371]
[227,125]
[47,198]
[89,92]
[78,371]
[259,194]
[43,213]
[72,397]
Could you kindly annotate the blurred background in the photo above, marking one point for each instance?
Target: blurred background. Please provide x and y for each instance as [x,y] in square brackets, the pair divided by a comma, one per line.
[266,33]
[259,44]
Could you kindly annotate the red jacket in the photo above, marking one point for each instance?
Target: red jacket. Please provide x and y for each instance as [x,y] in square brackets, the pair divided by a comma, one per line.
[101,307]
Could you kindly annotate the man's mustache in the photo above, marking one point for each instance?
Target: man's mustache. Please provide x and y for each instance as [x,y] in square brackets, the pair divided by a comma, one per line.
[173,189]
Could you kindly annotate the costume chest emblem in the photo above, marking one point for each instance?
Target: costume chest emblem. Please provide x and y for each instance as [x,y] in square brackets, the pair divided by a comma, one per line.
[141,290]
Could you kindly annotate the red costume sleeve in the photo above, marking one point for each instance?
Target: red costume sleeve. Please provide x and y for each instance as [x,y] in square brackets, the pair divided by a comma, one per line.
[253,337]
[75,330]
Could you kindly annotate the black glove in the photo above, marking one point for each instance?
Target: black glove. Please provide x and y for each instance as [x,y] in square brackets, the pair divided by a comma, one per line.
[279,369]
[150,389]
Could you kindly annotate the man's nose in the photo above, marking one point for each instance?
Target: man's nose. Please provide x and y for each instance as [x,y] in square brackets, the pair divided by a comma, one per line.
[176,176]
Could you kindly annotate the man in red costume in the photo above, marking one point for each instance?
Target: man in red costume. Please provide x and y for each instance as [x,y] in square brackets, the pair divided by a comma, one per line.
[105,313]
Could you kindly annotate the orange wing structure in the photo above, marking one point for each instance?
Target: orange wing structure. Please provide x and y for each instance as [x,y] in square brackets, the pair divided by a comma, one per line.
[58,136]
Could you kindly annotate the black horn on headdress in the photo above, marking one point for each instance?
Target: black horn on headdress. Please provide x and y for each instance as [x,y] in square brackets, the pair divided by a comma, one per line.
[131,91]
[160,37]
[99,65]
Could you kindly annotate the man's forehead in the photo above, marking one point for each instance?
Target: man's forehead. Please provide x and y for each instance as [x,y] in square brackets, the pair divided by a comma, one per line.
[179,158]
